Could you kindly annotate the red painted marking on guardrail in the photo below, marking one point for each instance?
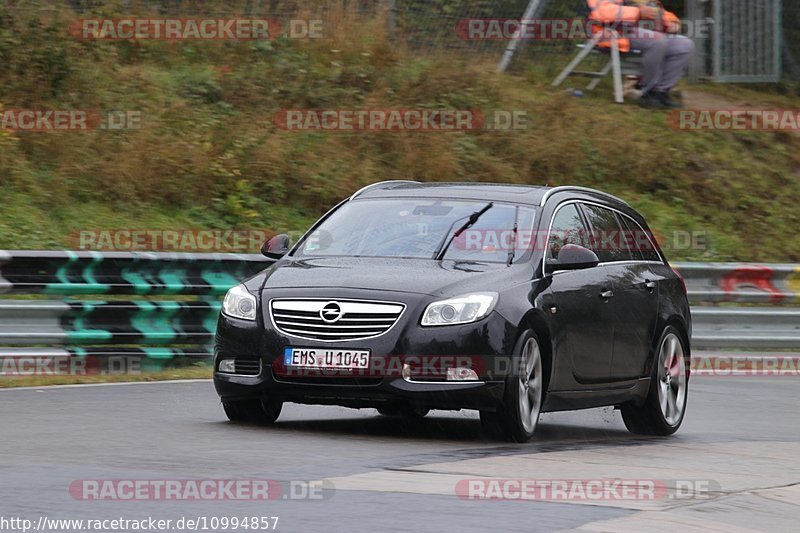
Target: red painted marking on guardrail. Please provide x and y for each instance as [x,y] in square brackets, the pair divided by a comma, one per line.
[759,277]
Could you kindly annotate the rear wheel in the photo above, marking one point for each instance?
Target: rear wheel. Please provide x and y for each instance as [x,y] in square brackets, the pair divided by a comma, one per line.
[663,410]
[253,411]
[517,417]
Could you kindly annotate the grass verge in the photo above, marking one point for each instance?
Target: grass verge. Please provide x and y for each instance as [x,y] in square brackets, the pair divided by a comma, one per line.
[192,372]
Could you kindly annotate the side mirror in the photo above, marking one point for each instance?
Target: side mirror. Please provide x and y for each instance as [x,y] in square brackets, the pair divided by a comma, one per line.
[276,247]
[574,257]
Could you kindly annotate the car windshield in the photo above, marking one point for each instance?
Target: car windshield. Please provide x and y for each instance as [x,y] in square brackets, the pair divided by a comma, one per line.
[420,229]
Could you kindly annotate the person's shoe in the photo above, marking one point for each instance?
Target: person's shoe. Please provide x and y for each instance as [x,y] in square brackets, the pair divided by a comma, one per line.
[652,101]
[631,89]
[667,101]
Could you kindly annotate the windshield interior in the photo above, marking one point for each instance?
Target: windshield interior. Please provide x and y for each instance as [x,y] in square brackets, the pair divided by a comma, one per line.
[419,229]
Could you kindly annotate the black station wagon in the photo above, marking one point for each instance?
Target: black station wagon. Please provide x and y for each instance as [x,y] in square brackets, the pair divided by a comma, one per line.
[508,299]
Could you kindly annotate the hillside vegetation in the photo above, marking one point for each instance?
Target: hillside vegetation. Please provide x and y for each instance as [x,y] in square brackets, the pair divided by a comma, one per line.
[208,154]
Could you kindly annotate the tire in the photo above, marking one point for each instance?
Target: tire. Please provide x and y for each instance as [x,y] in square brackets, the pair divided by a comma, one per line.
[252,411]
[518,415]
[665,406]
[408,412]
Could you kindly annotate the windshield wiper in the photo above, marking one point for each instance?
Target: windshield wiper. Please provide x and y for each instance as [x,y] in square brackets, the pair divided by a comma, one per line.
[471,220]
[512,250]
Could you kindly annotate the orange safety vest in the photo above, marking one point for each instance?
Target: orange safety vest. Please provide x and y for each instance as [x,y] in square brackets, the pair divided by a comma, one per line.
[615,12]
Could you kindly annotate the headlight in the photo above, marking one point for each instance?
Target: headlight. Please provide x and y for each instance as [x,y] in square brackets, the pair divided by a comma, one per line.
[461,310]
[239,303]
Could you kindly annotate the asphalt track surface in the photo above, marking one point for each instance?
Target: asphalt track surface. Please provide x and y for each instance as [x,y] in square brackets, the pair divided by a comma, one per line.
[741,437]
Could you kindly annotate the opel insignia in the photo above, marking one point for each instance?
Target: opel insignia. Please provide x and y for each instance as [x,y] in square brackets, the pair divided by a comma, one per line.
[507,299]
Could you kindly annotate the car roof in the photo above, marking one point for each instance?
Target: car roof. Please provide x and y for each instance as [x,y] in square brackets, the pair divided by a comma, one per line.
[499,192]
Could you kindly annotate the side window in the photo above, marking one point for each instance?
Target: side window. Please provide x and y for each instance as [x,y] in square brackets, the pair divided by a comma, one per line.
[606,234]
[567,228]
[641,241]
[633,239]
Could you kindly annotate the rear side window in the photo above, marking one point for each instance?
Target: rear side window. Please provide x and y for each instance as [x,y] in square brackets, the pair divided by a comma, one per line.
[606,235]
[640,240]
[632,238]
[567,228]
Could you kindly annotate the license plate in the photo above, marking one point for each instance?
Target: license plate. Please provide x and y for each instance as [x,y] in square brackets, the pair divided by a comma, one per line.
[325,358]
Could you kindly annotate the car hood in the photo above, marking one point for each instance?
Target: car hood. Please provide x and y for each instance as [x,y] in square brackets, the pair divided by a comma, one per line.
[419,276]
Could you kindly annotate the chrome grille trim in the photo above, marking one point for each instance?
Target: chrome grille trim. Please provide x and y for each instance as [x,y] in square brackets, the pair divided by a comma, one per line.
[344,319]
[361,319]
[340,336]
[338,325]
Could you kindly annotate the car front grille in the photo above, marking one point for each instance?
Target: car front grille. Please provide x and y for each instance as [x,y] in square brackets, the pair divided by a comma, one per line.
[334,320]
[247,367]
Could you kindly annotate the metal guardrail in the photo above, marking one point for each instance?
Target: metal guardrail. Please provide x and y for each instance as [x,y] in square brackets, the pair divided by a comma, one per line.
[743,283]
[168,312]
[746,328]
[163,307]
[140,273]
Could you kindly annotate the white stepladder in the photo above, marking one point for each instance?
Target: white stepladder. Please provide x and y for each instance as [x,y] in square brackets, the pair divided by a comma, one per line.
[615,65]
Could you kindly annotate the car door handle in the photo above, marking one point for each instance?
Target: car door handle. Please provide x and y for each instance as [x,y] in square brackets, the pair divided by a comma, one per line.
[606,294]
[650,285]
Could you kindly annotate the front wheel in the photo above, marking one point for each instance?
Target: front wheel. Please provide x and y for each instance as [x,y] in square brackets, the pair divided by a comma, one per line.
[517,417]
[253,411]
[663,411]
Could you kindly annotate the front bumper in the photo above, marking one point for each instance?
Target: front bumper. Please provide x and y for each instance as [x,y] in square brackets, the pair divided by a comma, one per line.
[485,340]
[388,392]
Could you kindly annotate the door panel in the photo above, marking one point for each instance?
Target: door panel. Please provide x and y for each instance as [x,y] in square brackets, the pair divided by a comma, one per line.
[635,301]
[582,320]
[585,319]
[635,314]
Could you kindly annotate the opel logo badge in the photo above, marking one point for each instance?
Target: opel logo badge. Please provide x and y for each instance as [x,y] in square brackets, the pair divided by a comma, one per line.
[331,312]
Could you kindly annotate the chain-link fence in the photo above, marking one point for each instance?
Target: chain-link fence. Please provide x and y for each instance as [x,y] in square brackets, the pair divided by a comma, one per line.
[742,40]
[228,8]
[737,40]
[790,46]
[437,24]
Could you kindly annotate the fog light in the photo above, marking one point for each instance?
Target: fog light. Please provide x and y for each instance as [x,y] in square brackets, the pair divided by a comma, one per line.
[228,366]
[461,373]
[406,371]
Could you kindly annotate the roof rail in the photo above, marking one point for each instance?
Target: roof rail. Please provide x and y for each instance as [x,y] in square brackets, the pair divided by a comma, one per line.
[555,190]
[378,185]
